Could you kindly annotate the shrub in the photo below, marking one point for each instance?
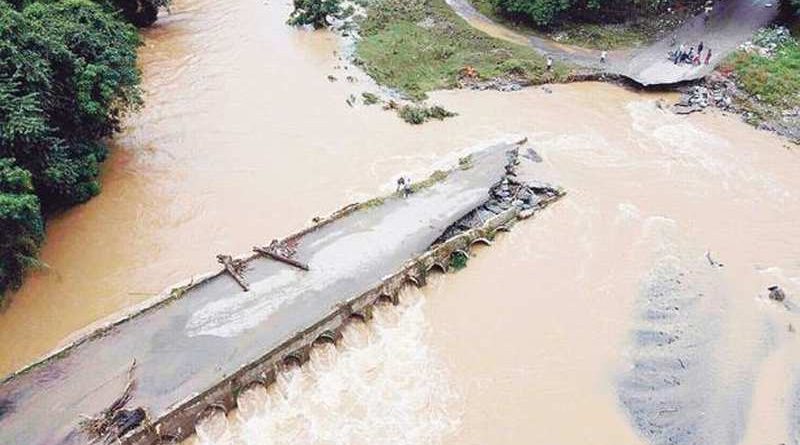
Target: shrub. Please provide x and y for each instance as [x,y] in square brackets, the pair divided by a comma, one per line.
[458,261]
[413,114]
[314,12]
[419,114]
[21,226]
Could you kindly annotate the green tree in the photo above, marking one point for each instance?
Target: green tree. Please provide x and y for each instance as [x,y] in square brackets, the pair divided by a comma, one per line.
[68,74]
[542,12]
[548,13]
[314,12]
[21,226]
[138,12]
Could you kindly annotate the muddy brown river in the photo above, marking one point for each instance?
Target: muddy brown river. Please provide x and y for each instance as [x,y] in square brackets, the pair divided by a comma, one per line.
[602,320]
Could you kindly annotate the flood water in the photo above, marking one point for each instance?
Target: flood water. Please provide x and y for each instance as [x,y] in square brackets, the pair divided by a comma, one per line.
[541,339]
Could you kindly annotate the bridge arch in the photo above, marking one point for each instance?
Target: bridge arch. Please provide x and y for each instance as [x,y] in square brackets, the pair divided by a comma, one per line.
[252,385]
[363,315]
[293,358]
[460,252]
[440,265]
[385,298]
[326,337]
[480,240]
[415,280]
[503,228]
[210,410]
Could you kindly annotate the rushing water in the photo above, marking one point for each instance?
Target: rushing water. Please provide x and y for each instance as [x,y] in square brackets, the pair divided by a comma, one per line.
[382,378]
[541,339]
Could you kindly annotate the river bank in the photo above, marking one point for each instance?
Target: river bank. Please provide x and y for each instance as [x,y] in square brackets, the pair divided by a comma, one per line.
[757,80]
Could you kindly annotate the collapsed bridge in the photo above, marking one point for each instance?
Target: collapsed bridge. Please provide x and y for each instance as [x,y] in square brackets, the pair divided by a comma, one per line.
[147,377]
[729,24]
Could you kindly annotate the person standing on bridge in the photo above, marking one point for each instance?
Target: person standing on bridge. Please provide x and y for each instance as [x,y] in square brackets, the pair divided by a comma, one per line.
[407,190]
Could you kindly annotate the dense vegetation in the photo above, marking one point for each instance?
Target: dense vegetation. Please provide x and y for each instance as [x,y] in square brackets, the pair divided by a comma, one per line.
[548,13]
[67,76]
[421,45]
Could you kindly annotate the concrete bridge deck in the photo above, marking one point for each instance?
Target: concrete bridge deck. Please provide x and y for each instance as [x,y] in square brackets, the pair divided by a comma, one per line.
[731,23]
[201,345]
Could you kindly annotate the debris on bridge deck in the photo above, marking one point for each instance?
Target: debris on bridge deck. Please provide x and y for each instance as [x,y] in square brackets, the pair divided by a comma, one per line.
[282,252]
[198,345]
[235,268]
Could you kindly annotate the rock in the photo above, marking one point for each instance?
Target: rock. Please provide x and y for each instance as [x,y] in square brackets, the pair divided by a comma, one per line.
[686,109]
[532,155]
[493,207]
[776,294]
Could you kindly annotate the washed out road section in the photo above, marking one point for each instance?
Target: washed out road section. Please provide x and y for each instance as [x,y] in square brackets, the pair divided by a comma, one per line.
[730,23]
[191,343]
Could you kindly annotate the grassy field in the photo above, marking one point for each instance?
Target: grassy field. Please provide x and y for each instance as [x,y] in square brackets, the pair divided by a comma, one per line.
[421,45]
[774,80]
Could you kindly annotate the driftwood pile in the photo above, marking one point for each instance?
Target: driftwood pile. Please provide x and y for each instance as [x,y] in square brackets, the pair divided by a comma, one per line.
[278,251]
[113,422]
[282,252]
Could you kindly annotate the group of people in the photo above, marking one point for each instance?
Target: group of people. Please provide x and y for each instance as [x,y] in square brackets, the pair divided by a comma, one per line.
[691,55]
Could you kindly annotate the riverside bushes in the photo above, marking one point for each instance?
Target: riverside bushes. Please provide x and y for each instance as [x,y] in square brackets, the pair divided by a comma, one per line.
[68,75]
[547,13]
[419,114]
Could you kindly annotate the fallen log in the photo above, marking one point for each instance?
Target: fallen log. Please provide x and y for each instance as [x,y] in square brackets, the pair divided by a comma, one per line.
[271,253]
[712,261]
[234,269]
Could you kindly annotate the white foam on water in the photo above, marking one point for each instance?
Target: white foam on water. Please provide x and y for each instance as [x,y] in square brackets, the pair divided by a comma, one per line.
[381,384]
[682,145]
